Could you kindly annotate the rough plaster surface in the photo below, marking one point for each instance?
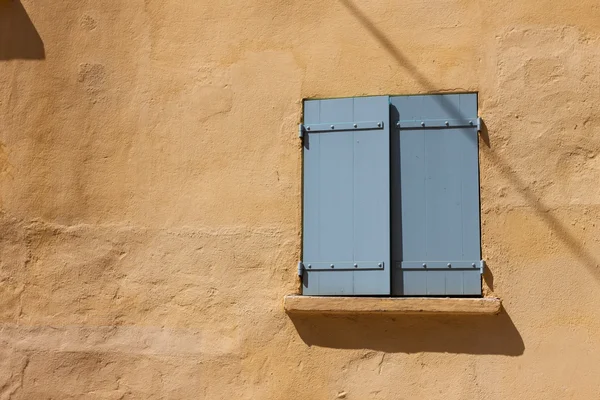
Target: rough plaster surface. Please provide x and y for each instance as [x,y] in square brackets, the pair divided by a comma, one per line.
[150,198]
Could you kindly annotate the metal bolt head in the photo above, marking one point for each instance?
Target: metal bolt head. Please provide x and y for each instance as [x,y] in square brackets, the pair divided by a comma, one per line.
[424,265]
[449,265]
[470,122]
[398,124]
[308,128]
[332,266]
[446,123]
[473,265]
[355,125]
[355,265]
[309,266]
[379,265]
[379,124]
[422,123]
[332,126]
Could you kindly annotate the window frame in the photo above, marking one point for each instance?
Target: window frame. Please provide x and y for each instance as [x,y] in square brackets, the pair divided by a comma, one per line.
[395,123]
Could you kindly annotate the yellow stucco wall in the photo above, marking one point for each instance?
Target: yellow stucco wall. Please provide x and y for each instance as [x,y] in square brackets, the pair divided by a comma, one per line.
[150,197]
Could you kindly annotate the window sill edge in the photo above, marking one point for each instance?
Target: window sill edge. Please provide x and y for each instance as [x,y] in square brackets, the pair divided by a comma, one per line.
[295,304]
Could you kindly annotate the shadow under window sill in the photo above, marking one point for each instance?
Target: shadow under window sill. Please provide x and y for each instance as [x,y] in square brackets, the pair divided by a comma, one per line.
[393,327]
[297,304]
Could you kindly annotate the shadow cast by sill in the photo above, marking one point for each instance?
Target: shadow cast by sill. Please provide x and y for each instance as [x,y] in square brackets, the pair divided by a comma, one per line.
[465,334]
[19,39]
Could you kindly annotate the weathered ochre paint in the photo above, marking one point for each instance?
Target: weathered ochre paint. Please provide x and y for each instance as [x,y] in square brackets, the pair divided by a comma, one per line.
[150,198]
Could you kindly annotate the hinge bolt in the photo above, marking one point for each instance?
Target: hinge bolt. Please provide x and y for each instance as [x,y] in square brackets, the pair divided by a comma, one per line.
[422,123]
[332,126]
[446,123]
[309,266]
[355,265]
[449,265]
[308,128]
[398,124]
[470,122]
[473,265]
[332,266]
[355,125]
[380,265]
[379,124]
[424,265]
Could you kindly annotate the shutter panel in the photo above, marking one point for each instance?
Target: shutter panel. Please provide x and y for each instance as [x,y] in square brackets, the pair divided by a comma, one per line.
[436,247]
[346,219]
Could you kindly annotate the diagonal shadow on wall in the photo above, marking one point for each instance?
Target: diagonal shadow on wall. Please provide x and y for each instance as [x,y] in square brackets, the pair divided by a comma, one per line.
[576,248]
[18,37]
[473,334]
[418,333]
[453,334]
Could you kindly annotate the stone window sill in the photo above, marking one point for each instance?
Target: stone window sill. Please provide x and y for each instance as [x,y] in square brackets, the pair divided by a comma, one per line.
[294,304]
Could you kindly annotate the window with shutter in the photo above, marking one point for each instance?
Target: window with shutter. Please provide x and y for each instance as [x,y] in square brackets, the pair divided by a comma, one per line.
[391,179]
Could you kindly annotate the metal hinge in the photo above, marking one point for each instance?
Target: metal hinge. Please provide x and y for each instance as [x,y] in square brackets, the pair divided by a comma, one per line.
[300,269]
[437,123]
[340,126]
[479,124]
[437,265]
[481,264]
[344,265]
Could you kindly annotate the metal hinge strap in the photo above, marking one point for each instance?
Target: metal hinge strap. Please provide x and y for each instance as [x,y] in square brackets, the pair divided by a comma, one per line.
[344,265]
[437,265]
[436,123]
[342,126]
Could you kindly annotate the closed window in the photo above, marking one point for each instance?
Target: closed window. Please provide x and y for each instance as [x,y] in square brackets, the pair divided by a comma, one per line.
[391,196]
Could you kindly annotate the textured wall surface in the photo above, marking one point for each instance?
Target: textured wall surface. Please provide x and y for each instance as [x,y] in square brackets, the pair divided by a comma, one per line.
[150,197]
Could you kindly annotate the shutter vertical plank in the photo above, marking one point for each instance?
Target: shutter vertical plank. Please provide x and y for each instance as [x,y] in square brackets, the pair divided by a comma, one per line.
[471,283]
[469,164]
[414,207]
[336,183]
[443,222]
[454,282]
[414,283]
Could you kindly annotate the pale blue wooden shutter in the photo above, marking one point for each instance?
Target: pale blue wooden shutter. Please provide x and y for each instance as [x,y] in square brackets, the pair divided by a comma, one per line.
[435,195]
[346,202]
